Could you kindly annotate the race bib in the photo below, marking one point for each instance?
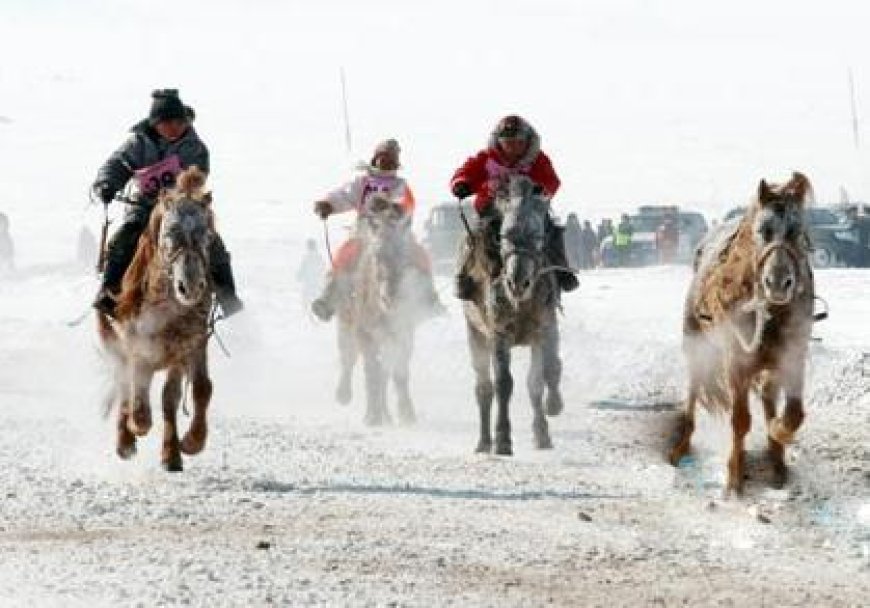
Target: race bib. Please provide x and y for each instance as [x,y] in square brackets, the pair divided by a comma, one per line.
[376,185]
[158,176]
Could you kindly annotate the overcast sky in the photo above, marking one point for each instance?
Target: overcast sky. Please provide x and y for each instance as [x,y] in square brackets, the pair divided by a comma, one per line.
[637,100]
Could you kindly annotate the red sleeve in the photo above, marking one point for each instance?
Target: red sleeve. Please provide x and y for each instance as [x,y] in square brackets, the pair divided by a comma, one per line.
[543,174]
[472,172]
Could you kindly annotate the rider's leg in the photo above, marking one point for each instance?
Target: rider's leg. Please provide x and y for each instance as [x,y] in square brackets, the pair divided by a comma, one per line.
[119,253]
[222,276]
[324,306]
[466,287]
[558,257]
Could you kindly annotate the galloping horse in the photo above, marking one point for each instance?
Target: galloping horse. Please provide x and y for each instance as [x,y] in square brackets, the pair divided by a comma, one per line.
[747,323]
[379,310]
[516,306]
[162,321]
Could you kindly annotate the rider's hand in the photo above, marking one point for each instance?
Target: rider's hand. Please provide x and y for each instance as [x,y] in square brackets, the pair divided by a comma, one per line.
[323,209]
[104,192]
[461,190]
[537,190]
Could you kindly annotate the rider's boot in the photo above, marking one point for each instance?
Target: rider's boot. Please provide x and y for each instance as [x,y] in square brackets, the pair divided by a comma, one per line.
[558,257]
[119,253]
[222,277]
[324,306]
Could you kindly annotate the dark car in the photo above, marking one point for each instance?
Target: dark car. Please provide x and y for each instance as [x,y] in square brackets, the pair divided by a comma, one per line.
[444,232]
[646,225]
[836,240]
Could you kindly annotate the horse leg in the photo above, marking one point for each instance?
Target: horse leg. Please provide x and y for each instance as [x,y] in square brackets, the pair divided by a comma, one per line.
[139,418]
[348,350]
[126,441]
[194,439]
[376,414]
[686,424]
[504,386]
[483,388]
[401,380]
[170,456]
[551,368]
[741,420]
[776,451]
[783,428]
[535,384]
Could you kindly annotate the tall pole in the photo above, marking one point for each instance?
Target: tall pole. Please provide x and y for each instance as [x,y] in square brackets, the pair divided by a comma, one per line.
[347,140]
[854,103]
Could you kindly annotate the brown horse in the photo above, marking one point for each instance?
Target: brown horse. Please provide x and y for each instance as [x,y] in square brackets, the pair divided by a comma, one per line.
[162,321]
[747,323]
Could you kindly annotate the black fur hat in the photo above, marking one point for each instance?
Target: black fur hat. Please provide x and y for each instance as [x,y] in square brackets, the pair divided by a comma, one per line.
[166,105]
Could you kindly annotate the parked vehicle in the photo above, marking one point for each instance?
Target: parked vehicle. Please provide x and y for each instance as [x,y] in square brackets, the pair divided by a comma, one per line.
[443,233]
[646,225]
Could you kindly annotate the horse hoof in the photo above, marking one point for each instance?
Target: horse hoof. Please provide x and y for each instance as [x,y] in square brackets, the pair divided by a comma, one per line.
[191,445]
[483,447]
[544,443]
[504,449]
[555,405]
[407,418]
[172,465]
[780,476]
[126,451]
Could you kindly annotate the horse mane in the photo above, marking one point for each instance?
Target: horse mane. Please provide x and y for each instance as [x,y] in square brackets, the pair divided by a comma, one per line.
[189,184]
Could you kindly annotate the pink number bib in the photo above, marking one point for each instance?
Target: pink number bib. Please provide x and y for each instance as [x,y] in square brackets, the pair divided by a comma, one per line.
[159,175]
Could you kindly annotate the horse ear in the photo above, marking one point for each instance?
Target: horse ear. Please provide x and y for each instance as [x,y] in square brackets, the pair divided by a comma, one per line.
[800,187]
[765,193]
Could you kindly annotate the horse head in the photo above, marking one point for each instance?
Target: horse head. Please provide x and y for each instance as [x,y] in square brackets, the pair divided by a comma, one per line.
[186,228]
[780,237]
[522,236]
[385,230]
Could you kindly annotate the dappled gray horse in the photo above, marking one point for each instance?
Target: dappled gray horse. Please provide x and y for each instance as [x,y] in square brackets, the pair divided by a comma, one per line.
[378,312]
[516,306]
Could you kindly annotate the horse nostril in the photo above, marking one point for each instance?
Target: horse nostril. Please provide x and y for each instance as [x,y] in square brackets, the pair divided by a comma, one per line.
[768,282]
[181,289]
[526,284]
[788,283]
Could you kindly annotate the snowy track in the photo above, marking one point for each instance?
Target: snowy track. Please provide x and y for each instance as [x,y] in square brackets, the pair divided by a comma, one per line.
[295,502]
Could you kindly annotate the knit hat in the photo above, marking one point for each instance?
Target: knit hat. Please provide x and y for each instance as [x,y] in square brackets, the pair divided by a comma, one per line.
[166,105]
[513,126]
[388,146]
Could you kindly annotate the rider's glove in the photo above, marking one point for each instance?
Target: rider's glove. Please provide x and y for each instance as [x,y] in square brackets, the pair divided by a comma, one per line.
[323,209]
[104,192]
[461,190]
[537,190]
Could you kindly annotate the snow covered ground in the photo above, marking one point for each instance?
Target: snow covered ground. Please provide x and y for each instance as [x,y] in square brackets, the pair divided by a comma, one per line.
[296,502]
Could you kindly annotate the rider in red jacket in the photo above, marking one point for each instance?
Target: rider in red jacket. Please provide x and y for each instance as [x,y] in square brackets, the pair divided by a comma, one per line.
[514,147]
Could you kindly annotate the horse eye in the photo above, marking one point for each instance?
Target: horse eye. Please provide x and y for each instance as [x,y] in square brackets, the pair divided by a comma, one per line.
[766,232]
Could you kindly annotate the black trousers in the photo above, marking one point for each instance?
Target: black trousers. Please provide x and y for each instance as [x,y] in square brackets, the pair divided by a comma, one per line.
[122,248]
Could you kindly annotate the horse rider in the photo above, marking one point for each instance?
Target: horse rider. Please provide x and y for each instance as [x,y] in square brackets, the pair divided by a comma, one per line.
[379,177]
[156,151]
[514,148]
